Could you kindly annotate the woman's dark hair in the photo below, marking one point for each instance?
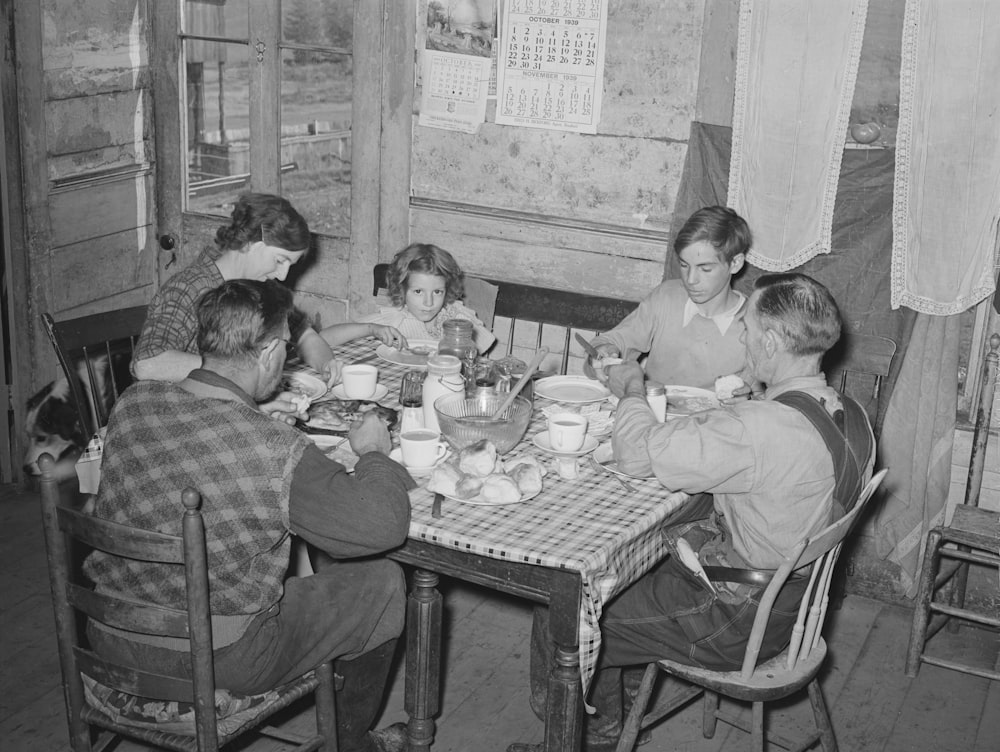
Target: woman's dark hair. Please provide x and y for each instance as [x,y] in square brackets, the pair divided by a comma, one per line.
[800,310]
[725,230]
[239,317]
[423,258]
[263,217]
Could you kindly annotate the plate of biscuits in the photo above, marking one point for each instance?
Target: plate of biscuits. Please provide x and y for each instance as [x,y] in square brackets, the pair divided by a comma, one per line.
[476,475]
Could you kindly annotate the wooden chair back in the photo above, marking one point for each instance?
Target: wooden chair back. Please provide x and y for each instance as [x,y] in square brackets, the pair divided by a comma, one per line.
[69,532]
[858,365]
[542,307]
[80,343]
[821,551]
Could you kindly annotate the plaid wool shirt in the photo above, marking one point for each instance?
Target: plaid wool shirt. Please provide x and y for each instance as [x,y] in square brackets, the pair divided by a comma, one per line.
[161,439]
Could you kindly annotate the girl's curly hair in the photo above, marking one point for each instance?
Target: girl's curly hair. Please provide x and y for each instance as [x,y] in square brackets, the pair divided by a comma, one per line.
[424,258]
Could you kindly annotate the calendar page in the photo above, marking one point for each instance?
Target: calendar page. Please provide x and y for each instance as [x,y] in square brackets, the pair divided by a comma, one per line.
[550,70]
[454,92]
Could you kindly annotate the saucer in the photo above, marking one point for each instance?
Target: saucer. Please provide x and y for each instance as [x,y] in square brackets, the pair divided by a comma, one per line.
[380,391]
[541,440]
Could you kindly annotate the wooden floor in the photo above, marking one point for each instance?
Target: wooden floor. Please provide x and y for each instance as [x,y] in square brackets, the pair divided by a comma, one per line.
[875,707]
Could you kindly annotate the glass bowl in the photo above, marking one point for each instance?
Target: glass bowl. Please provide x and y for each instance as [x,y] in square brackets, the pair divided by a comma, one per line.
[466,420]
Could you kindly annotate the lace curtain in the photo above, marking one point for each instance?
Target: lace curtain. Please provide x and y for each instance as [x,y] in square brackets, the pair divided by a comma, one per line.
[947,190]
[795,72]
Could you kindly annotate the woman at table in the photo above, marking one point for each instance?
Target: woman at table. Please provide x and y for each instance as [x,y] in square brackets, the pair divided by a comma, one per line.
[426,286]
[264,237]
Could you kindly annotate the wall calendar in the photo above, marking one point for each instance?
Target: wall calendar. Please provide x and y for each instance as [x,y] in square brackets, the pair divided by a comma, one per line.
[550,69]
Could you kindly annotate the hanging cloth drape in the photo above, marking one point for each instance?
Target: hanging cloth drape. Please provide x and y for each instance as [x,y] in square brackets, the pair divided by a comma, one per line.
[797,61]
[947,190]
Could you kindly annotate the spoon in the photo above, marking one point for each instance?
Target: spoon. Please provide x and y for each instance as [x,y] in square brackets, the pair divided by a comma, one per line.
[528,373]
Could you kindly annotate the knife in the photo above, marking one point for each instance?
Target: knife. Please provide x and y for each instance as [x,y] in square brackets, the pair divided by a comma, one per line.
[436,506]
[588,348]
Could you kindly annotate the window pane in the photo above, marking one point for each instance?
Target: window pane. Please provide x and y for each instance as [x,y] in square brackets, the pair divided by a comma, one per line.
[327,23]
[316,138]
[218,124]
[216,18]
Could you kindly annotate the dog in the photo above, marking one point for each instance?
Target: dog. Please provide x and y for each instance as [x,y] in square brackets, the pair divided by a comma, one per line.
[52,424]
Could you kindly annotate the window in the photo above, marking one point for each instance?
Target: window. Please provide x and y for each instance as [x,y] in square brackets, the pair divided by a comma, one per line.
[268,105]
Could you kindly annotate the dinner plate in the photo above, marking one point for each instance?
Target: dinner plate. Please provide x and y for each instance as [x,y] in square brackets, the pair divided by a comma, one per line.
[380,391]
[304,383]
[478,501]
[541,440]
[326,441]
[414,356]
[687,400]
[575,390]
[605,457]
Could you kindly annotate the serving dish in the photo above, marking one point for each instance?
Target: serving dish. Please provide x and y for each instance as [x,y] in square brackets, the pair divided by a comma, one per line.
[304,383]
[479,501]
[688,400]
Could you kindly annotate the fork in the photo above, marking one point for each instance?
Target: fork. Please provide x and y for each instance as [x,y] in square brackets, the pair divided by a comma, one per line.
[601,469]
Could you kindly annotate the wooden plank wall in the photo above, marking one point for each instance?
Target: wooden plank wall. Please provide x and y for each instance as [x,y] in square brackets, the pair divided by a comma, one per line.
[91,244]
[586,195]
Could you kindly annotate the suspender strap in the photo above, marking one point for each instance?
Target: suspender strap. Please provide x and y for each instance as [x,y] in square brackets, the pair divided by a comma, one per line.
[847,437]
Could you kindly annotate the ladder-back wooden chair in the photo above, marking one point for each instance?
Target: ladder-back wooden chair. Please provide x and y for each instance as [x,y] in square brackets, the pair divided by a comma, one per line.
[795,668]
[971,537]
[74,600]
[81,343]
[857,366]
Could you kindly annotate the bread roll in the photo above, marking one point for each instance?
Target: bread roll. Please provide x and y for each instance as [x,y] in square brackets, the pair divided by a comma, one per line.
[468,486]
[528,478]
[500,489]
[478,459]
[444,479]
[525,460]
[725,386]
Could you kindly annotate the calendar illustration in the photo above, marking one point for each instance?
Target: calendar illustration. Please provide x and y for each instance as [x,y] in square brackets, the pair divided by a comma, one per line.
[550,68]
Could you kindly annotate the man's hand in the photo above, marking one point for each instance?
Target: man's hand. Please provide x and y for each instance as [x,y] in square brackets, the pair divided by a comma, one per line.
[627,380]
[370,435]
[284,407]
[595,369]
[331,372]
[389,336]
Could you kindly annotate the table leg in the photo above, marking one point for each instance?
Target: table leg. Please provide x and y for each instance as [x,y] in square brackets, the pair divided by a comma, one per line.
[564,712]
[423,658]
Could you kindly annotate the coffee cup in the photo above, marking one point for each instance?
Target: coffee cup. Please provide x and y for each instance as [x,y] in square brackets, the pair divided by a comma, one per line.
[567,431]
[359,380]
[421,447]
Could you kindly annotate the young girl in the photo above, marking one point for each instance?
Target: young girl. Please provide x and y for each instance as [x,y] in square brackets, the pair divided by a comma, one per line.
[425,287]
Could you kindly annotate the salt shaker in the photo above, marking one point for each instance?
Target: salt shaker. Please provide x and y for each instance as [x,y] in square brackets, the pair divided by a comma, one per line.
[656,396]
[411,400]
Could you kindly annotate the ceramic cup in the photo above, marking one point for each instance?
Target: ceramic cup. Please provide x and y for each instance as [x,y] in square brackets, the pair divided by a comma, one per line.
[421,447]
[359,380]
[567,431]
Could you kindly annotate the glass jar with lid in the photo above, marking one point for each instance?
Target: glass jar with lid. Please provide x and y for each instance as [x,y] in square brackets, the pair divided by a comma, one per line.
[444,376]
[458,339]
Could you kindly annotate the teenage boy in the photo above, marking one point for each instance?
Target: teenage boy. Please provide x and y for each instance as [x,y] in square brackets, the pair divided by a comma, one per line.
[689,328]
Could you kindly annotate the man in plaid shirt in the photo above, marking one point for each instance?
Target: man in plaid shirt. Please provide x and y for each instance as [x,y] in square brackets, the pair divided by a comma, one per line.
[261,481]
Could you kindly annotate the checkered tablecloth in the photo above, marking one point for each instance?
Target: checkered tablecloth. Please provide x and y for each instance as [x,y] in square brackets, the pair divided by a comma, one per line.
[589,524]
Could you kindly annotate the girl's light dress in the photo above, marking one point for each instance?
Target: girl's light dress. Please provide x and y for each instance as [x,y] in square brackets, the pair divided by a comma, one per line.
[413,328]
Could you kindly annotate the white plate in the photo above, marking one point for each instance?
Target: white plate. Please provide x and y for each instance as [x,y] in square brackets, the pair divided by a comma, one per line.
[407,357]
[687,400]
[574,390]
[380,391]
[605,457]
[478,501]
[325,441]
[541,441]
[397,456]
[305,383]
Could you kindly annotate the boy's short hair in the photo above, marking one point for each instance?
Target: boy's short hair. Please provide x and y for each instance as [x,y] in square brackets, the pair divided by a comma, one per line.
[720,227]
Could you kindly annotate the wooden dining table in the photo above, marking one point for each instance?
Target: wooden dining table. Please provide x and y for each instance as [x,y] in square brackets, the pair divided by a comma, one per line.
[574,546]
